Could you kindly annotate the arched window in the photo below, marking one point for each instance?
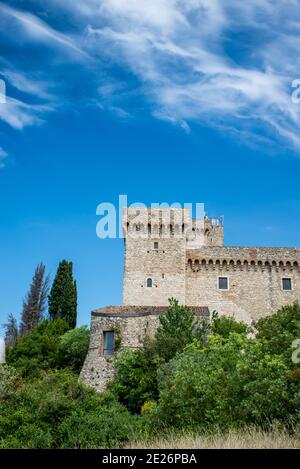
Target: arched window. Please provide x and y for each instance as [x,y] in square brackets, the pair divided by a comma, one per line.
[149,282]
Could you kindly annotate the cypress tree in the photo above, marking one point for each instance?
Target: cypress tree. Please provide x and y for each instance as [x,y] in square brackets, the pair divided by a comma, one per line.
[62,300]
[11,331]
[34,304]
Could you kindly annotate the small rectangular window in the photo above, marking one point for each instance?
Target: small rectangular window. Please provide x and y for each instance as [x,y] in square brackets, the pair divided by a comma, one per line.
[155,246]
[223,283]
[286,283]
[108,342]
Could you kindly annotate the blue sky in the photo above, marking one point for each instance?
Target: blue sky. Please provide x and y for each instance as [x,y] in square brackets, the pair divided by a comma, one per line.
[165,101]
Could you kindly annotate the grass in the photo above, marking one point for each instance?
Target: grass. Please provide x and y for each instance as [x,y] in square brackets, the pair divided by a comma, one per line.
[247,438]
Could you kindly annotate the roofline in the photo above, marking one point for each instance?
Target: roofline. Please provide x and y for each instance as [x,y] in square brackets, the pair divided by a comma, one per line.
[142,311]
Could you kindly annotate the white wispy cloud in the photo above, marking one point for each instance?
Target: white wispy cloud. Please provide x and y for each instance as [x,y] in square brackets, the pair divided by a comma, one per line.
[23,82]
[19,114]
[180,50]
[229,64]
[39,30]
[3,155]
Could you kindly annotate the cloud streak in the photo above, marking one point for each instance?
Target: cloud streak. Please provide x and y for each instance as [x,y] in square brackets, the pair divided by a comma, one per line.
[228,65]
[39,30]
[190,73]
[3,155]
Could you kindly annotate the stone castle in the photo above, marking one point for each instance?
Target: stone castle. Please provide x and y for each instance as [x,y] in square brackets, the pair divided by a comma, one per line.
[168,254]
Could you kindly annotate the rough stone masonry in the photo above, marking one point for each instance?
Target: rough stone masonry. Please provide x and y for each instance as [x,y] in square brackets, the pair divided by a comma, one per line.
[168,254]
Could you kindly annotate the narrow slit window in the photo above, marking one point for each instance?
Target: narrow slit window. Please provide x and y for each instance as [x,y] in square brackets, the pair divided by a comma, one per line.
[286,283]
[155,246]
[108,342]
[149,282]
[223,283]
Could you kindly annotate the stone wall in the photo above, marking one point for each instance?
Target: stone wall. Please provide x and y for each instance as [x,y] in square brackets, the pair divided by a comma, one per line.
[132,325]
[254,275]
[165,266]
[155,248]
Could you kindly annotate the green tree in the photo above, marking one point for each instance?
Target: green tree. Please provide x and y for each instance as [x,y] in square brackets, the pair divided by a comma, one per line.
[11,331]
[38,350]
[136,371]
[34,304]
[8,381]
[43,413]
[230,382]
[135,380]
[63,295]
[176,329]
[280,330]
[73,347]
[224,326]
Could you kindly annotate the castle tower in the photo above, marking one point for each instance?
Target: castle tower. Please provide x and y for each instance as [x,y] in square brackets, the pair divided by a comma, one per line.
[156,240]
[154,255]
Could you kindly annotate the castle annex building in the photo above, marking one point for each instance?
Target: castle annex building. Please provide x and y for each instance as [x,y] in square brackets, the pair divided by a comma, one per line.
[168,254]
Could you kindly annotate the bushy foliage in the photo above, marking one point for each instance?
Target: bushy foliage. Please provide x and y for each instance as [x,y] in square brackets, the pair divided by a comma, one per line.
[51,345]
[280,330]
[73,347]
[8,381]
[56,411]
[38,350]
[136,379]
[230,382]
[192,374]
[224,325]
[136,371]
[175,331]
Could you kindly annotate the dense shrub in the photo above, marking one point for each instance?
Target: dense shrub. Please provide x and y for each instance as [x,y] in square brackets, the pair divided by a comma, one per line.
[230,382]
[50,345]
[100,422]
[56,411]
[176,330]
[223,326]
[37,350]
[136,379]
[192,374]
[8,381]
[136,371]
[73,347]
[280,330]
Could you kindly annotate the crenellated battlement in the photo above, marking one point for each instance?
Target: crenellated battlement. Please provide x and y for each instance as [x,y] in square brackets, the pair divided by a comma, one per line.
[243,258]
[141,223]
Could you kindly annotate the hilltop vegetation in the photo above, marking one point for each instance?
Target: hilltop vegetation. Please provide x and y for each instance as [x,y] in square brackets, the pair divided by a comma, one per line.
[197,377]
